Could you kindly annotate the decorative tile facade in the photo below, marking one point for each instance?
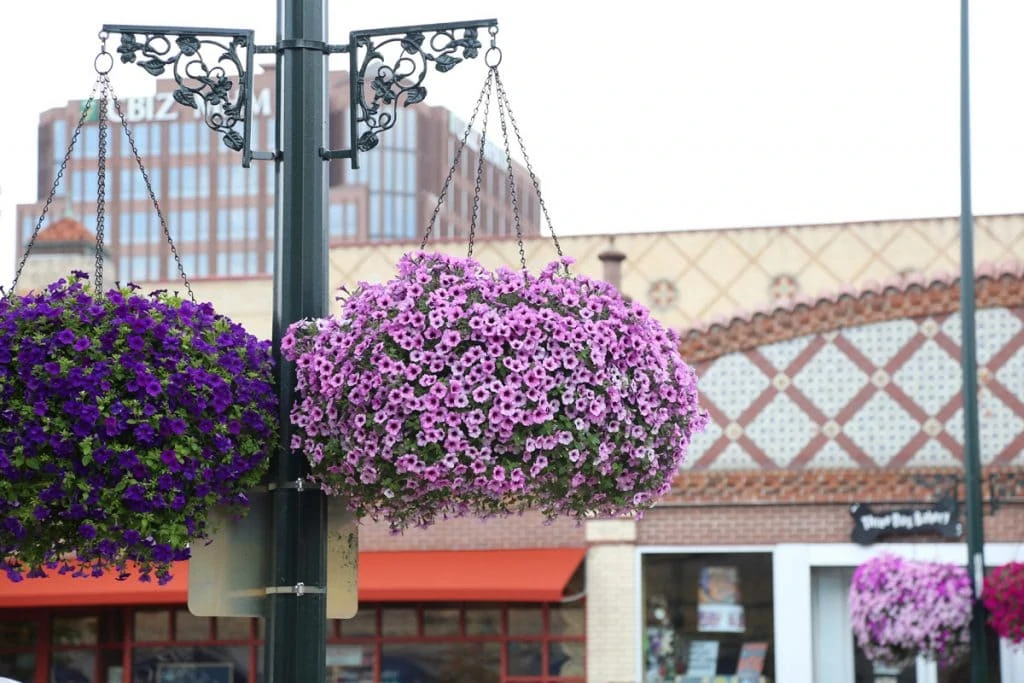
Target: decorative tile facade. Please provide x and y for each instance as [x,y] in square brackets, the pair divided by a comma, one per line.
[881,394]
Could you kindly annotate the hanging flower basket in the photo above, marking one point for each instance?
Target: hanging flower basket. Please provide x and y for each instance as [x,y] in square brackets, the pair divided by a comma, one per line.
[453,390]
[901,609]
[1003,596]
[123,420]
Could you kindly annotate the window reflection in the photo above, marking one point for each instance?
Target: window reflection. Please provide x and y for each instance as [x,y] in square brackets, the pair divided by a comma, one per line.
[441,663]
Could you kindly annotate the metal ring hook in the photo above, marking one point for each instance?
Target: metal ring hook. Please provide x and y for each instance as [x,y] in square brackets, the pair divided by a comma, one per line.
[492,58]
[103,66]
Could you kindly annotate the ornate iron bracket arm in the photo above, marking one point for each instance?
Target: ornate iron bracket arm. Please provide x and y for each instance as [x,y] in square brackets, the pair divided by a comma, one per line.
[1000,486]
[387,67]
[207,64]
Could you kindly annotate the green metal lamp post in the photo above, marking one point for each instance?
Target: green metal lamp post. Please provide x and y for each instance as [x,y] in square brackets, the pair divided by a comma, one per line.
[972,442]
[296,579]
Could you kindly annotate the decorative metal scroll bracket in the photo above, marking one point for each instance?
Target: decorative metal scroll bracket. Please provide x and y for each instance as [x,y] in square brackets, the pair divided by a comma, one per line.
[1001,486]
[212,74]
[387,67]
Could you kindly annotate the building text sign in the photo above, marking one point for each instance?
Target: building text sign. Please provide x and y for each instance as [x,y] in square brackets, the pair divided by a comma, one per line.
[941,518]
[163,107]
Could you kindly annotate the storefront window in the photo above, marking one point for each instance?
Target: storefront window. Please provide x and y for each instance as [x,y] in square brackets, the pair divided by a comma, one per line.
[707,615]
[350,663]
[483,621]
[75,630]
[17,645]
[394,643]
[452,662]
[198,663]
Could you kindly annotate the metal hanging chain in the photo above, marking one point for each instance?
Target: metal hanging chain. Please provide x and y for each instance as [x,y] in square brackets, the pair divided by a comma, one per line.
[152,196]
[485,90]
[503,97]
[86,109]
[511,179]
[479,176]
[101,183]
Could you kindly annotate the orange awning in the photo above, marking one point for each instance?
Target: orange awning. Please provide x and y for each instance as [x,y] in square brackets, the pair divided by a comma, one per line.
[534,575]
[62,590]
[530,575]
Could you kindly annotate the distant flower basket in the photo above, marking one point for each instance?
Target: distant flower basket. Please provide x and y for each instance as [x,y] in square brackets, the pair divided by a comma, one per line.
[123,420]
[901,609]
[1004,599]
[452,390]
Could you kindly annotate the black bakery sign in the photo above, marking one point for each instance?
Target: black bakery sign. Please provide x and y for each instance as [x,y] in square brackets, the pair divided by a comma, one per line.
[941,518]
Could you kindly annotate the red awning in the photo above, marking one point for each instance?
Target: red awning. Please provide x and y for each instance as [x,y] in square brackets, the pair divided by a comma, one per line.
[61,590]
[534,575]
[531,575]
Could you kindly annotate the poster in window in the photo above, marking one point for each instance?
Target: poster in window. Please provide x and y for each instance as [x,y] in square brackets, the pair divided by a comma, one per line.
[751,662]
[718,601]
[703,659]
[195,672]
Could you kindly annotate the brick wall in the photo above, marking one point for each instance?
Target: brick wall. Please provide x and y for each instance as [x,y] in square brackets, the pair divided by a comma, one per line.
[525,531]
[772,524]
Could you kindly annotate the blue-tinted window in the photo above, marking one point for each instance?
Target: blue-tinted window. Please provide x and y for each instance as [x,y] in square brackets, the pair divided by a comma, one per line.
[28,224]
[90,141]
[234,180]
[335,222]
[173,138]
[141,134]
[375,228]
[203,220]
[142,231]
[154,139]
[174,182]
[188,262]
[136,270]
[188,135]
[60,138]
[410,172]
[202,264]
[237,224]
[222,263]
[269,218]
[389,216]
[268,258]
[351,220]
[204,134]
[251,262]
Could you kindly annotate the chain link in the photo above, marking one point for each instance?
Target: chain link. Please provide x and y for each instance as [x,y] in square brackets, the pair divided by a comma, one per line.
[512,193]
[86,108]
[455,163]
[503,97]
[101,184]
[152,196]
[481,157]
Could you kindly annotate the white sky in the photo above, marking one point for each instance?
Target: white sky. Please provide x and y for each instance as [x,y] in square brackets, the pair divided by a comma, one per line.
[655,115]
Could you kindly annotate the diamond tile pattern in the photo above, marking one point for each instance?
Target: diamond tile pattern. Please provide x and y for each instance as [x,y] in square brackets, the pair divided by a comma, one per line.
[781,429]
[830,380]
[999,426]
[803,408]
[734,383]
[931,377]
[880,342]
[882,428]
[780,355]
